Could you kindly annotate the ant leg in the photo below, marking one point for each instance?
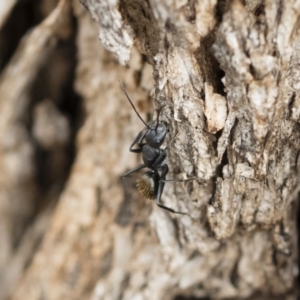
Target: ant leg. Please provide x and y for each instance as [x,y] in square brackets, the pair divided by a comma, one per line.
[133,170]
[161,185]
[138,141]
[170,209]
[179,180]
[159,160]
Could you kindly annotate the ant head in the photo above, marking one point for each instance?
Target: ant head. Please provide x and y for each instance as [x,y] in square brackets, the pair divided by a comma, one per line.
[157,131]
[155,136]
[147,184]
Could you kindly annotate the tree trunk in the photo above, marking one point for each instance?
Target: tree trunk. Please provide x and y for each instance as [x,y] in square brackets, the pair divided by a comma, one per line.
[226,75]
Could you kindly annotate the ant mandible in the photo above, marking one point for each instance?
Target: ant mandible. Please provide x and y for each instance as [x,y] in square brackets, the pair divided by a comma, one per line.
[152,182]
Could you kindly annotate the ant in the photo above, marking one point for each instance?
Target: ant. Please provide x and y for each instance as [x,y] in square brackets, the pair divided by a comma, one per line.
[152,182]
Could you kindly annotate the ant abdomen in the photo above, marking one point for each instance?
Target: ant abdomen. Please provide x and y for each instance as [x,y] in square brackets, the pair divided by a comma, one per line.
[146,185]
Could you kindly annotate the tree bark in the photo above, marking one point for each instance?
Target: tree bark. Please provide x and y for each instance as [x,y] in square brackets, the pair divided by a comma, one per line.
[226,75]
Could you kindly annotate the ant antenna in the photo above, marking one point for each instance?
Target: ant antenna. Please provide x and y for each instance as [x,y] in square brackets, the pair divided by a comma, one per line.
[123,88]
[157,119]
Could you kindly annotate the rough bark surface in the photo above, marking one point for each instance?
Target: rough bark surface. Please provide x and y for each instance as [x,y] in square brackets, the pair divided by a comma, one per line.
[227,76]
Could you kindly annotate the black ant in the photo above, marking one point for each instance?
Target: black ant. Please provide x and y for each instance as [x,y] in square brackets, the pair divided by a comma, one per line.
[151,184]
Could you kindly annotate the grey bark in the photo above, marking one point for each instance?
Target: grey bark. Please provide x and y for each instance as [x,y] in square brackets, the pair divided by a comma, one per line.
[226,73]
